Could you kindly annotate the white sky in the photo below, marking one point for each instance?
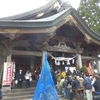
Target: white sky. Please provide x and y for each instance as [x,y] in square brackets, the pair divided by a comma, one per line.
[13,7]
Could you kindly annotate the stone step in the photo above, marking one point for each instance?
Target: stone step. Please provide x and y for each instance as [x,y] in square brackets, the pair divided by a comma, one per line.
[22,97]
[25,97]
[18,90]
[19,94]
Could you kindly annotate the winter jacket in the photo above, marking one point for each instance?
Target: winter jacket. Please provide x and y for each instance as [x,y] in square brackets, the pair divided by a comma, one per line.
[61,82]
[87,83]
[97,85]
[80,81]
[75,84]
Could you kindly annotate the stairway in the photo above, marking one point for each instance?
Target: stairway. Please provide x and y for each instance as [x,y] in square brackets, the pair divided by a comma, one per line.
[18,94]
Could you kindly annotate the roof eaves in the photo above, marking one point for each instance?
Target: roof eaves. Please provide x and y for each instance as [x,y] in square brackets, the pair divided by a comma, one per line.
[45,22]
[83,24]
[31,13]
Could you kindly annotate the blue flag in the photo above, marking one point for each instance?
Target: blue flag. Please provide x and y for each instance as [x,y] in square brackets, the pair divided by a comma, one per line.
[45,89]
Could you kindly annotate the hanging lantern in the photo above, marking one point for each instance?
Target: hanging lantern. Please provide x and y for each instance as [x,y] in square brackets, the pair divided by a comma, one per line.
[58,62]
[73,61]
[68,63]
[63,63]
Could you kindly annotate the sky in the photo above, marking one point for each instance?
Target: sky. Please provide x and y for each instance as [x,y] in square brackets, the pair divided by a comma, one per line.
[14,7]
[74,3]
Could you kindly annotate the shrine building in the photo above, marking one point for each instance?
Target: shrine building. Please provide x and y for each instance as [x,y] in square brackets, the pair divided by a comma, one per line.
[59,30]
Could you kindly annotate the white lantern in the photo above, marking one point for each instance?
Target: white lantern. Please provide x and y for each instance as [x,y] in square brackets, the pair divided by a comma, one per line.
[68,63]
[63,63]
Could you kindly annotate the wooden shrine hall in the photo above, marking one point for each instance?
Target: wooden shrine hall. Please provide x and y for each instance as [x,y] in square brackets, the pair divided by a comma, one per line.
[63,32]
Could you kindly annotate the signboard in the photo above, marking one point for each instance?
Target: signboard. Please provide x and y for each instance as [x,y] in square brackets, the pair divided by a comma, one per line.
[7,74]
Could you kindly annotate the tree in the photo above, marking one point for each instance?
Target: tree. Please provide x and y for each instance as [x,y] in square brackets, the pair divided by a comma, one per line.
[90,12]
[83,69]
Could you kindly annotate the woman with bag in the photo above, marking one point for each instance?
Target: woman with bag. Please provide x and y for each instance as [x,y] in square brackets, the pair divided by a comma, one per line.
[28,78]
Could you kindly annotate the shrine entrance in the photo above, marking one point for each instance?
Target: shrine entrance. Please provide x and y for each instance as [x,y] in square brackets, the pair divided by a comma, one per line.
[32,63]
[22,62]
[60,60]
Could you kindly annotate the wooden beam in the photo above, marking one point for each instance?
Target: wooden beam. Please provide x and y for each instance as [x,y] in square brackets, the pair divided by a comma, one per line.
[60,49]
[65,39]
[23,30]
[89,58]
[69,51]
[13,33]
[26,53]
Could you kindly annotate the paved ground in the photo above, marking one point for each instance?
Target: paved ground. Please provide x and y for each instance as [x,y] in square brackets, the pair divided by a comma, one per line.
[59,99]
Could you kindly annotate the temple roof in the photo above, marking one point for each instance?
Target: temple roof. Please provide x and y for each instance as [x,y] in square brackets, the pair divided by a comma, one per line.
[66,24]
[32,13]
[52,21]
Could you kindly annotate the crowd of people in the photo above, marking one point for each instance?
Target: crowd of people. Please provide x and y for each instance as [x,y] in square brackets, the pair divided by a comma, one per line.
[70,84]
[77,85]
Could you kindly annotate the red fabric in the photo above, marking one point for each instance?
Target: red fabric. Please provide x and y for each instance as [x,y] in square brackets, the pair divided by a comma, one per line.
[89,66]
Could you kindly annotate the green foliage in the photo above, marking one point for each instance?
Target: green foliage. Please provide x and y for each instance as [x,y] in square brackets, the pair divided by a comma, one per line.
[83,69]
[95,67]
[90,12]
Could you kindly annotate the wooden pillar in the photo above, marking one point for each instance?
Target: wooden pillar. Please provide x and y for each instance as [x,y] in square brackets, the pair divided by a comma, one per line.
[8,55]
[9,58]
[79,61]
[2,60]
[79,52]
[98,66]
[43,57]
[8,50]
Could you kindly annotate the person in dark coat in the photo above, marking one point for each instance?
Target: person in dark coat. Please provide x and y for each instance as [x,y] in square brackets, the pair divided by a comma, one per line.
[68,72]
[0,94]
[19,78]
[76,87]
[65,84]
[88,87]
[53,76]
[97,87]
[74,72]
